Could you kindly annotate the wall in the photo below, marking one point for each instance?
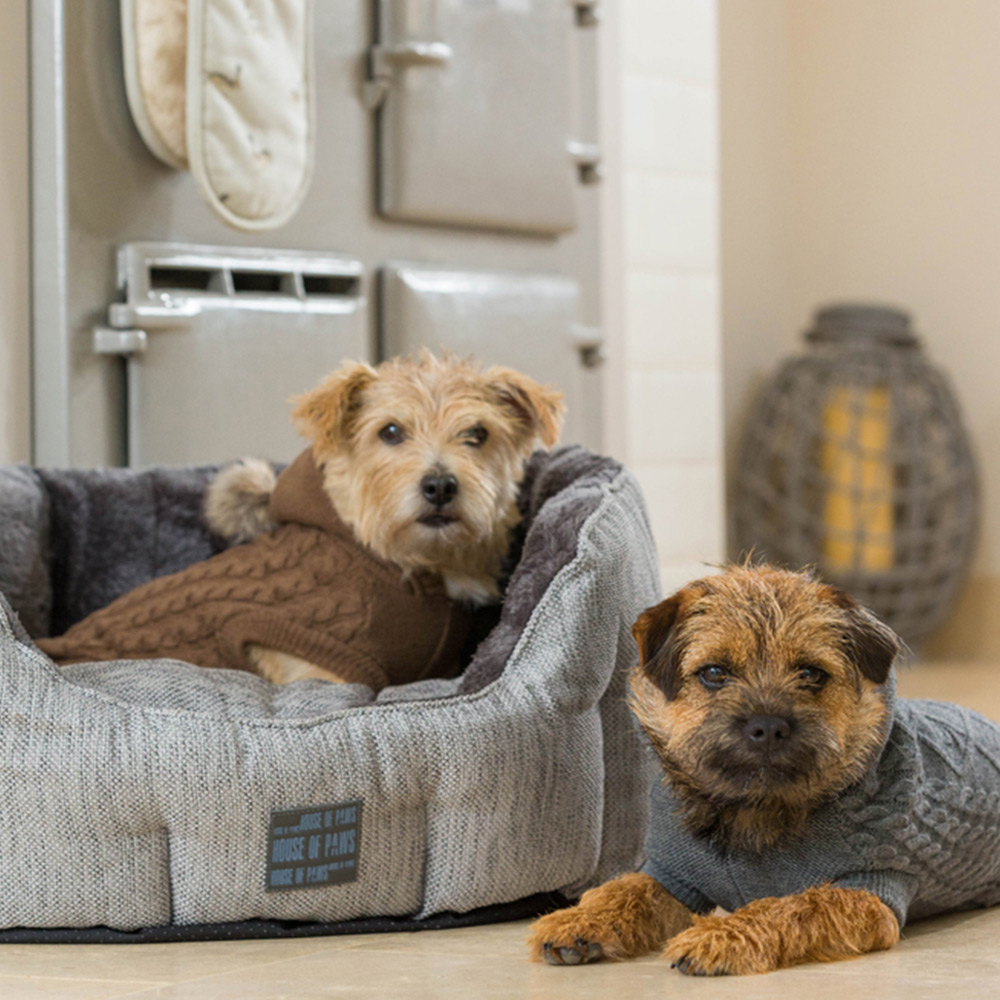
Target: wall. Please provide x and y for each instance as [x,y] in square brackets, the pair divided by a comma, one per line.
[15,443]
[873,130]
[756,171]
[670,347]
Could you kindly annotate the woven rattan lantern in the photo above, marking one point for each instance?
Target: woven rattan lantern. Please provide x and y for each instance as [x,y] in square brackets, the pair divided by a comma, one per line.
[856,461]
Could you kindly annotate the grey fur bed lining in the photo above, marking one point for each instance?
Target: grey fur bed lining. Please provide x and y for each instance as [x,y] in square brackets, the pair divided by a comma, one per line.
[154,780]
[71,543]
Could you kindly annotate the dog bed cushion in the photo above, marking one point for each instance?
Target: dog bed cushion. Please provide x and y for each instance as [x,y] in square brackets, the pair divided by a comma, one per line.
[156,794]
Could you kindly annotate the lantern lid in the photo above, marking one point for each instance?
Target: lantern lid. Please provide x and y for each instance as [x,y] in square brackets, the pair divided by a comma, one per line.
[880,326]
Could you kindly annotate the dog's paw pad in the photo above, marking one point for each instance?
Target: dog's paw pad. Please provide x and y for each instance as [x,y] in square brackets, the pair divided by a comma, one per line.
[568,937]
[695,965]
[690,967]
[578,953]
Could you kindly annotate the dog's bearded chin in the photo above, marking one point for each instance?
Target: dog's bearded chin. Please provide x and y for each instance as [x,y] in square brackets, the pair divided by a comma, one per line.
[761,776]
[431,539]
[756,781]
[438,521]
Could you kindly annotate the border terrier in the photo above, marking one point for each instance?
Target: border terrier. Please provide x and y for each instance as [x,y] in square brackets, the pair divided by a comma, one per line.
[798,793]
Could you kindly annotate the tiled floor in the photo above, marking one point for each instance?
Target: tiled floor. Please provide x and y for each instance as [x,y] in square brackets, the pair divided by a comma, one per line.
[959,955]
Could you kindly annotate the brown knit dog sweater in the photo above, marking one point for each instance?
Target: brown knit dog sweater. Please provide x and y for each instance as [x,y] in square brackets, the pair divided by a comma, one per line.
[309,589]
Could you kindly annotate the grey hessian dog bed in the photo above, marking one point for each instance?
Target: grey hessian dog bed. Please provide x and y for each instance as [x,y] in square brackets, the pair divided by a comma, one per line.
[157,801]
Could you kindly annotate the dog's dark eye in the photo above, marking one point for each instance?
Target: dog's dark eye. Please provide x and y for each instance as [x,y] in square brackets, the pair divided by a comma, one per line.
[475,437]
[392,434]
[812,676]
[713,677]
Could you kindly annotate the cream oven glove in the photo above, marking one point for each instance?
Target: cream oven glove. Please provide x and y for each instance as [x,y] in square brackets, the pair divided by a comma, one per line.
[224,88]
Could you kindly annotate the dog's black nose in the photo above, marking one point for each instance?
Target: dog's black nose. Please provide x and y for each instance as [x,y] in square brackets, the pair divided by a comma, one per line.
[439,490]
[768,731]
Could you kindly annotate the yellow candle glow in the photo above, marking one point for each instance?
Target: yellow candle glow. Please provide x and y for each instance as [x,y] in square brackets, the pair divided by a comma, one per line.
[855,461]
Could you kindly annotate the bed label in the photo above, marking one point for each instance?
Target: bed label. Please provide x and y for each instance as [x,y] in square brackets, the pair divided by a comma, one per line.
[313,846]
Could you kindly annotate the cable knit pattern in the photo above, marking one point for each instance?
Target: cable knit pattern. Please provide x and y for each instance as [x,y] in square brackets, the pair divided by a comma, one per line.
[308,589]
[927,820]
[921,831]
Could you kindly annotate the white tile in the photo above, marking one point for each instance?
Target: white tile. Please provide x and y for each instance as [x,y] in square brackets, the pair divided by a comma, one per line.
[652,319]
[674,416]
[671,221]
[669,126]
[672,320]
[685,503]
[671,39]
[651,124]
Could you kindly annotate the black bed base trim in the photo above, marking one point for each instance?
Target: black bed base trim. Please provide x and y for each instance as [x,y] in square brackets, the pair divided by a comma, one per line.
[521,909]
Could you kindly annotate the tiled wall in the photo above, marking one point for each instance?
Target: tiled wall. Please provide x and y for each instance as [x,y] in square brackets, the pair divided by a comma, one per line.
[671,338]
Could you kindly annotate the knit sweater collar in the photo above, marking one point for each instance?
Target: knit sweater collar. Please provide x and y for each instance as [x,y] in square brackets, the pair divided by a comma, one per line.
[299,498]
[889,695]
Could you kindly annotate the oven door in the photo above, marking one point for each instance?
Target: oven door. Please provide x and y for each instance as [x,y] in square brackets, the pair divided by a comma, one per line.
[475,112]
[218,339]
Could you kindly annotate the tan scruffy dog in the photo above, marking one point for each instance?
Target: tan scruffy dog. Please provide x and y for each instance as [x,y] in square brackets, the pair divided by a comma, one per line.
[422,458]
[365,555]
[799,794]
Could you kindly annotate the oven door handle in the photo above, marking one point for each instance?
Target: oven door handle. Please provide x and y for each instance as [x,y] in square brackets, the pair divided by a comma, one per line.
[383,61]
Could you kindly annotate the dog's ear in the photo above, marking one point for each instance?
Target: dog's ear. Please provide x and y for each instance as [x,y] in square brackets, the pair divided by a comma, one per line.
[539,409]
[324,415]
[655,631]
[868,643]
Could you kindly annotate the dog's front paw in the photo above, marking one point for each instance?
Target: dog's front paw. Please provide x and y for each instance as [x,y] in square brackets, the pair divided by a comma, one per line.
[572,937]
[719,946]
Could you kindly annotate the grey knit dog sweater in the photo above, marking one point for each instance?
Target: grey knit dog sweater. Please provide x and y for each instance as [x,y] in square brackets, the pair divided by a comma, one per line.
[921,830]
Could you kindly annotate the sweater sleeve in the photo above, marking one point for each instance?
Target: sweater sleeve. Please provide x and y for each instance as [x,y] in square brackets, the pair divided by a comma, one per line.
[695,900]
[895,889]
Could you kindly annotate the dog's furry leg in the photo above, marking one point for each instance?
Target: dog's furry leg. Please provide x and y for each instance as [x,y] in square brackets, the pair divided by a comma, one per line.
[624,918]
[822,924]
[236,504]
[283,668]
